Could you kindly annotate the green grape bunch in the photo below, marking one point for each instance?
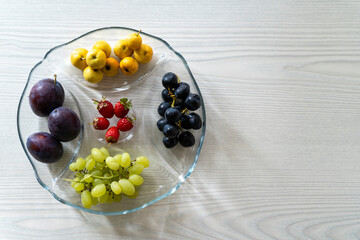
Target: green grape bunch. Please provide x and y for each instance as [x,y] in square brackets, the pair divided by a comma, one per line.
[101,178]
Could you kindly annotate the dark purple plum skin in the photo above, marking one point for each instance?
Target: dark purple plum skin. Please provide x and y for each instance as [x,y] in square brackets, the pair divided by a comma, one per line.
[64,124]
[44,147]
[45,96]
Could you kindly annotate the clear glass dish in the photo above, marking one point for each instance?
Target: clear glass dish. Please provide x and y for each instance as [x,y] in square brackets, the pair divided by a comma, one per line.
[169,167]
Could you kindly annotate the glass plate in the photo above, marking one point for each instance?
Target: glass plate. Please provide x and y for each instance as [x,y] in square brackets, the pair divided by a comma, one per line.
[169,167]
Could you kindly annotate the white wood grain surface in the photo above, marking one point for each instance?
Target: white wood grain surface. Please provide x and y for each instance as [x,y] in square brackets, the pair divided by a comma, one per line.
[281,83]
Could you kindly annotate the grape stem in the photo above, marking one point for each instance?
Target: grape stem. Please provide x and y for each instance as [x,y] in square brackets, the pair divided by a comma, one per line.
[68,180]
[106,178]
[172,95]
[179,124]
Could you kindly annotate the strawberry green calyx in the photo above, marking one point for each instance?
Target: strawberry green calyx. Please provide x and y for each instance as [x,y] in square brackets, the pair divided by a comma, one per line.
[126,103]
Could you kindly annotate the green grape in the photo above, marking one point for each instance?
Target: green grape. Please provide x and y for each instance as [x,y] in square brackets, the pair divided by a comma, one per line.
[115,187]
[90,164]
[136,168]
[100,165]
[105,151]
[79,187]
[88,157]
[87,178]
[106,175]
[86,199]
[126,186]
[74,181]
[103,198]
[97,182]
[98,190]
[79,175]
[136,179]
[80,164]
[125,160]
[117,198]
[94,200]
[117,157]
[112,163]
[98,155]
[73,167]
[143,160]
[109,200]
[97,173]
[134,195]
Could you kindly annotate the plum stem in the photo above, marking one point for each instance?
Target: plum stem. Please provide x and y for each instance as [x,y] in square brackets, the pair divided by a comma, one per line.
[138,33]
[55,78]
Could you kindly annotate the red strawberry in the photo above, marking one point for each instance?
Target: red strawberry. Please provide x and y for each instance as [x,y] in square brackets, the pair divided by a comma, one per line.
[112,135]
[101,123]
[125,124]
[122,107]
[105,108]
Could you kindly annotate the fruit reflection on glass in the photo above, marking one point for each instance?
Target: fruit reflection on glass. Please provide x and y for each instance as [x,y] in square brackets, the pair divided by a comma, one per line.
[175,112]
[78,58]
[101,178]
[129,66]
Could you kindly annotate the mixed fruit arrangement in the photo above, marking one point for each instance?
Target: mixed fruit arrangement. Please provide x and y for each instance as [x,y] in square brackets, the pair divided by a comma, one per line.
[99,177]
[46,99]
[175,112]
[107,110]
[97,62]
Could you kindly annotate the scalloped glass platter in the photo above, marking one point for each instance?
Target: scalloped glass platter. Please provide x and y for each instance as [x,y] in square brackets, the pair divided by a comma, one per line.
[168,167]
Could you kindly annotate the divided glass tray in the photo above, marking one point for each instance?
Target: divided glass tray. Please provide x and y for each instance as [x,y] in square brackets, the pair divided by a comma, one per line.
[168,167]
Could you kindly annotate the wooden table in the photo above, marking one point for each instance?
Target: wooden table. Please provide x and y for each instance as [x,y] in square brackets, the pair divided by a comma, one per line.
[281,84]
